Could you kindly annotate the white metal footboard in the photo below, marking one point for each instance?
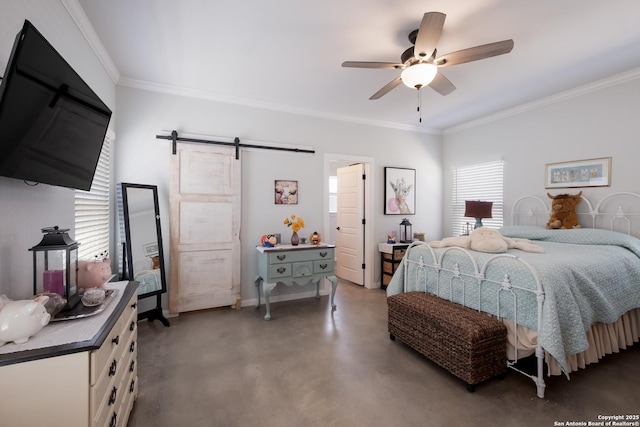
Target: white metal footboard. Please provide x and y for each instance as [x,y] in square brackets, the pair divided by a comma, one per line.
[462,279]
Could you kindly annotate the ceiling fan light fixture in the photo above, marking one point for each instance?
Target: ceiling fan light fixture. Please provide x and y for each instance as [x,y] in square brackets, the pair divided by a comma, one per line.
[419,75]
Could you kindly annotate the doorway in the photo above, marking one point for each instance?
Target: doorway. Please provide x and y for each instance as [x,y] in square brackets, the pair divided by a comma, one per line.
[333,161]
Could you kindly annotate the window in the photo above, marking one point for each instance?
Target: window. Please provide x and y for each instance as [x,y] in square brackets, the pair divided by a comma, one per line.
[477,182]
[333,194]
[92,211]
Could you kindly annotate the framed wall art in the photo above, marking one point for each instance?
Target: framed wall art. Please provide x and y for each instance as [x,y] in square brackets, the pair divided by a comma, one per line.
[286,192]
[579,173]
[399,191]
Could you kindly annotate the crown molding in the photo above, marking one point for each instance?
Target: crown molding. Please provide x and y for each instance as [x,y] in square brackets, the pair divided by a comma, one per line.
[553,99]
[89,33]
[247,102]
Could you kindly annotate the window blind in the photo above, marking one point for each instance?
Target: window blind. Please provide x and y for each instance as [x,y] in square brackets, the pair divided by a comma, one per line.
[92,211]
[484,182]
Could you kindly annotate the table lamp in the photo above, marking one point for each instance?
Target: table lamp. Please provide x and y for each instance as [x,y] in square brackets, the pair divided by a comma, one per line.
[478,210]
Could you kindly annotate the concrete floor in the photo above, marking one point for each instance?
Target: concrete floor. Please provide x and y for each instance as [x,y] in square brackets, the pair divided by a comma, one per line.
[310,367]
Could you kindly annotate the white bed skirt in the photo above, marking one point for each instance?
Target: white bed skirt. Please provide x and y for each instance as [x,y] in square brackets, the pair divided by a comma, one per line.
[603,339]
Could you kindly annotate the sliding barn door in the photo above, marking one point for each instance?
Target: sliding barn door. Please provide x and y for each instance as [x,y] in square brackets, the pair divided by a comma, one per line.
[205,228]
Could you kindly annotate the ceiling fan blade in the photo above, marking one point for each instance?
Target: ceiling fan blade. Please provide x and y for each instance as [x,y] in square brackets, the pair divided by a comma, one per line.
[475,53]
[442,85]
[365,64]
[387,88]
[429,34]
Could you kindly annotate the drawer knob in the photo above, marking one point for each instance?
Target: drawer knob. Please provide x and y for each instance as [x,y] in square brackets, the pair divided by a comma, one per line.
[116,340]
[132,326]
[323,266]
[112,396]
[132,366]
[134,305]
[132,386]
[281,257]
[114,420]
[323,254]
[132,346]
[281,270]
[113,368]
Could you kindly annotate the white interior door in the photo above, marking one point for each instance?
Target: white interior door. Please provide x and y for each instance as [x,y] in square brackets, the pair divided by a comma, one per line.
[205,228]
[350,224]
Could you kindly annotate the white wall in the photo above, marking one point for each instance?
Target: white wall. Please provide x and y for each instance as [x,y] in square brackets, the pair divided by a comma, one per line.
[24,210]
[141,158]
[599,121]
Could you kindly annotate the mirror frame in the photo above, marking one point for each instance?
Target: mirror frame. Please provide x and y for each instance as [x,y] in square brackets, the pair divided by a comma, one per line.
[127,270]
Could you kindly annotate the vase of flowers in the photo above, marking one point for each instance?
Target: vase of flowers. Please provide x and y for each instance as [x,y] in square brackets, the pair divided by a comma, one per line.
[296,223]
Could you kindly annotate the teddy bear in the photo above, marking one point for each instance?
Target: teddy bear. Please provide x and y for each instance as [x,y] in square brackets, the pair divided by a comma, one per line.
[563,211]
[485,239]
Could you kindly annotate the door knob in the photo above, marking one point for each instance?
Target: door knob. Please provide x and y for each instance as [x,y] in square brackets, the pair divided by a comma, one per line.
[338,228]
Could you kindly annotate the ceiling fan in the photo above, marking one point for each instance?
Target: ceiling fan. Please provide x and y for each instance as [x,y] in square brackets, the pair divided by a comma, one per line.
[420,64]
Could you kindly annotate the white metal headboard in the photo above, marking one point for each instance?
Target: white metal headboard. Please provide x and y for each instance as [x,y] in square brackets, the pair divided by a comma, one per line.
[617,211]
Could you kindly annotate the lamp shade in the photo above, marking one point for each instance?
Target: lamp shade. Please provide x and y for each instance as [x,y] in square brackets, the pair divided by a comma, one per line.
[419,75]
[477,209]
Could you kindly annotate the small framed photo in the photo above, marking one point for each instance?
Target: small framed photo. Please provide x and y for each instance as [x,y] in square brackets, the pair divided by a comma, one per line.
[286,192]
[399,191]
[150,249]
[579,173]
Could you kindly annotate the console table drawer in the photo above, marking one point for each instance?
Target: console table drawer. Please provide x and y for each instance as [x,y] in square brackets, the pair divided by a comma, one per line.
[325,266]
[302,255]
[279,270]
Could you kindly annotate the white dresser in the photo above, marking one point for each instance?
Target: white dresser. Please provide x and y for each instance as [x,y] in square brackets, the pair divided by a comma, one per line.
[92,382]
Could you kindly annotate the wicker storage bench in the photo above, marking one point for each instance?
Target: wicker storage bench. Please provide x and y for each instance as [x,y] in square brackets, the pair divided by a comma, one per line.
[469,344]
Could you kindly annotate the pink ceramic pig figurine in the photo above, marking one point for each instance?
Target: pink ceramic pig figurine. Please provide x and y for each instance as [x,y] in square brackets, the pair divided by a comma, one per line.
[94,274]
[20,320]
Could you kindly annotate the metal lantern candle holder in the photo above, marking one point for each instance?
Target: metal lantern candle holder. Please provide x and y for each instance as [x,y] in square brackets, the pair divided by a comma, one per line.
[55,265]
[406,233]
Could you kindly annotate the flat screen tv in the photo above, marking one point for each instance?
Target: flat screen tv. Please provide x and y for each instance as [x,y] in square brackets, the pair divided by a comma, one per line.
[52,125]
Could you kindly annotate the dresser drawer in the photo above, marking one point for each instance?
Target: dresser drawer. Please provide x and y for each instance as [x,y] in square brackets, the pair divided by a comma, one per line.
[303,269]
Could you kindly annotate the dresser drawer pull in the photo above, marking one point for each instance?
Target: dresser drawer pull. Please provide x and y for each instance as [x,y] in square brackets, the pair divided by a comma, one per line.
[281,257]
[132,326]
[132,366]
[281,270]
[132,386]
[132,346]
[112,396]
[114,420]
[113,368]
[116,340]
[323,266]
[323,254]
[134,305]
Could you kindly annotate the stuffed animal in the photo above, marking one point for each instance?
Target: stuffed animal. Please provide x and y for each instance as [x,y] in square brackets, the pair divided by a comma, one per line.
[563,211]
[485,239]
[315,238]
[94,274]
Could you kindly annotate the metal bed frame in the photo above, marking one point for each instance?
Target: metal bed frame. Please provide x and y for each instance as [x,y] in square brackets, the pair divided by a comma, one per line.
[616,208]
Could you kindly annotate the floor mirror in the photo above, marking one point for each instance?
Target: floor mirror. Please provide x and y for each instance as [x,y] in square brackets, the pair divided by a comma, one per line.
[142,257]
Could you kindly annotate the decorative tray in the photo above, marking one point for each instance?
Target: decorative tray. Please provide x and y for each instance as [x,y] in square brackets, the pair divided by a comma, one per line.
[80,310]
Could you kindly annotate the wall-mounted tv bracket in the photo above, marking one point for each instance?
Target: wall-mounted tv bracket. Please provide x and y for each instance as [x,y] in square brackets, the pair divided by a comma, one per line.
[174,138]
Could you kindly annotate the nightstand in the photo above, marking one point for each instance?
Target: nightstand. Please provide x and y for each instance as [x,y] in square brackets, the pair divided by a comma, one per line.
[390,256]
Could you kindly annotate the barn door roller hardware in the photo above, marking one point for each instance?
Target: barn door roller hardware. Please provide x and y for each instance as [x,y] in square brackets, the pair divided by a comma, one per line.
[236,143]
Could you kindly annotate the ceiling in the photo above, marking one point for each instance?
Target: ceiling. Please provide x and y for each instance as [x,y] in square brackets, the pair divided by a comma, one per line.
[287,54]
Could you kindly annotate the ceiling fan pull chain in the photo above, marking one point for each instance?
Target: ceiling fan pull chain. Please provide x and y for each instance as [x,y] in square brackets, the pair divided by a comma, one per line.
[419,104]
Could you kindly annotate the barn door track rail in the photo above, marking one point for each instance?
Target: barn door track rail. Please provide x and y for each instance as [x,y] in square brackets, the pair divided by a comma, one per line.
[236,143]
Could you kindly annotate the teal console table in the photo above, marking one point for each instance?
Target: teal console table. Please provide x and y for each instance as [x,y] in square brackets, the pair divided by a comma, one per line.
[301,265]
